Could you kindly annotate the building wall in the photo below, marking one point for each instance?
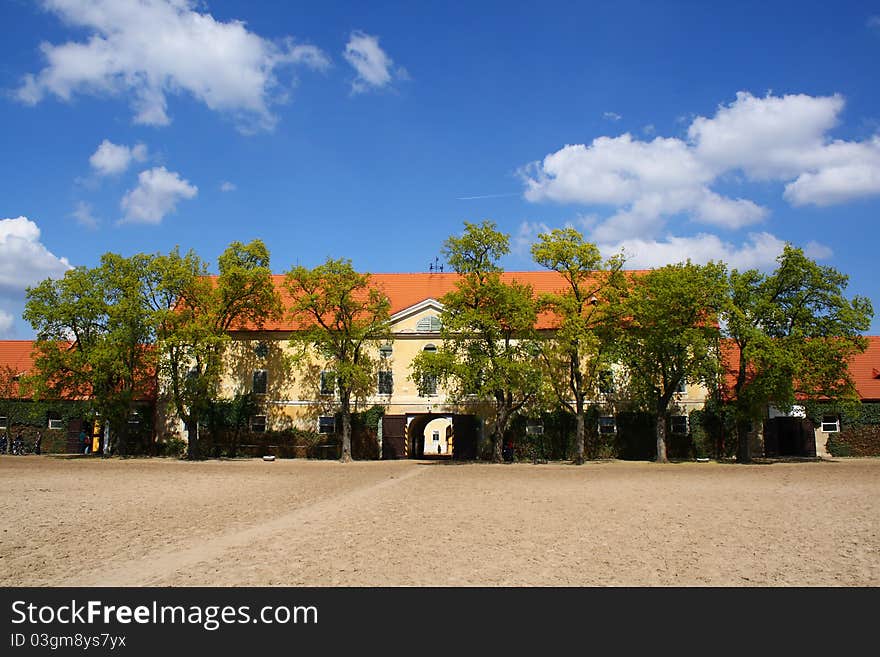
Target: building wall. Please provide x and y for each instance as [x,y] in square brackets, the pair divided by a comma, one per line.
[292,398]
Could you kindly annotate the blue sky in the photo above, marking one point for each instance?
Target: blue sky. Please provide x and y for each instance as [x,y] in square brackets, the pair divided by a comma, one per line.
[374,130]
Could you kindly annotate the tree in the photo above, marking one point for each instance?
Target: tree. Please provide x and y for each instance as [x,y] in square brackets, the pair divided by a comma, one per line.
[194,314]
[670,335]
[342,320]
[488,348]
[93,335]
[791,334]
[578,354]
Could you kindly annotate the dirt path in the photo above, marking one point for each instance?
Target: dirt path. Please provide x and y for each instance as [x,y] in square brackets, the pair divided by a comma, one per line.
[312,523]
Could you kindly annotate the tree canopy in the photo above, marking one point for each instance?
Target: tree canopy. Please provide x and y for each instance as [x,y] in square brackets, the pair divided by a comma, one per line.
[670,335]
[578,356]
[489,347]
[791,334]
[342,319]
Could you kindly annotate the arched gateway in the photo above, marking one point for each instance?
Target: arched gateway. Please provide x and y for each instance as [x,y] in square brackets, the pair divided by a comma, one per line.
[430,435]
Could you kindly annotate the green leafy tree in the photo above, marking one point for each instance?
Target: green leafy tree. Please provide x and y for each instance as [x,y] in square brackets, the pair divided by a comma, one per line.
[579,354]
[343,320]
[488,348]
[93,336]
[194,314]
[670,335]
[791,334]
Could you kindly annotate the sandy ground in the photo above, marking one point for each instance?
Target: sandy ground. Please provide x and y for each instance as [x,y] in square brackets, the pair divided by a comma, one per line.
[93,522]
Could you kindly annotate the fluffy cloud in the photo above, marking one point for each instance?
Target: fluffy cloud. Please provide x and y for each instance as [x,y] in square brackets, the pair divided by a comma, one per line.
[156,195]
[24,260]
[227,186]
[758,252]
[6,323]
[152,48]
[777,138]
[110,158]
[372,64]
[84,215]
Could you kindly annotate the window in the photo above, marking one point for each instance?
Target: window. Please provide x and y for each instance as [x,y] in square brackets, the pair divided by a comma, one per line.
[386,383]
[435,436]
[326,424]
[830,423]
[3,422]
[385,350]
[678,424]
[606,382]
[261,382]
[682,386]
[261,350]
[534,429]
[258,423]
[134,417]
[607,424]
[328,382]
[428,386]
[430,324]
[55,421]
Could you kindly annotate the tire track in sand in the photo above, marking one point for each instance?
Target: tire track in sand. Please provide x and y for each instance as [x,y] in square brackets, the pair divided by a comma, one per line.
[158,564]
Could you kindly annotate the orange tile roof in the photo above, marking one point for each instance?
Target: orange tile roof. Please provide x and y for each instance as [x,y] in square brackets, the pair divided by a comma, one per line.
[408,289]
[864,368]
[17,354]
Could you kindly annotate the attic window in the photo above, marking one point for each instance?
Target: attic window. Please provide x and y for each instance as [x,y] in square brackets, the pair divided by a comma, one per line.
[430,324]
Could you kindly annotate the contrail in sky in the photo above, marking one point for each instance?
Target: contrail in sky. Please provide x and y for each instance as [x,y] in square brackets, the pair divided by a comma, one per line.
[471,198]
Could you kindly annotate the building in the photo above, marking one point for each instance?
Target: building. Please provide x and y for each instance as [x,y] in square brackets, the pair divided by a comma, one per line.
[418,418]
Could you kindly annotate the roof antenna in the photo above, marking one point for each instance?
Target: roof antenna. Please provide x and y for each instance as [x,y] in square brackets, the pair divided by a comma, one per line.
[436,266]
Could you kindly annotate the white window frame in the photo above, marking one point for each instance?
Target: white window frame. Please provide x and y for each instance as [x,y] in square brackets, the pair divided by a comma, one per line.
[831,427]
[4,422]
[134,417]
[254,424]
[59,423]
[613,424]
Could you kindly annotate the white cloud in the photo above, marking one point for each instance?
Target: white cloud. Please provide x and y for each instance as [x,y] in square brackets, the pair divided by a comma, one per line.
[612,116]
[227,186]
[758,252]
[372,64]
[836,184]
[156,195]
[149,49]
[7,321]
[526,236]
[84,215]
[776,138]
[874,22]
[24,260]
[110,158]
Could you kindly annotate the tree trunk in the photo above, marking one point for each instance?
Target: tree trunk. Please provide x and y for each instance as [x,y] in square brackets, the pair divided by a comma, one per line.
[661,437]
[581,439]
[346,431]
[497,443]
[743,445]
